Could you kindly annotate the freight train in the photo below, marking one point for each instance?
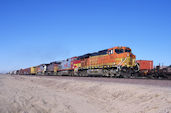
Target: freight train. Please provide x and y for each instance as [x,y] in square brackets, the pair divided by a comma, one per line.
[112,62]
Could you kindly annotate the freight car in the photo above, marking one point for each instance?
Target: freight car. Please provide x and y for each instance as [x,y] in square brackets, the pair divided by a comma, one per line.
[160,72]
[167,72]
[16,72]
[26,71]
[145,66]
[148,71]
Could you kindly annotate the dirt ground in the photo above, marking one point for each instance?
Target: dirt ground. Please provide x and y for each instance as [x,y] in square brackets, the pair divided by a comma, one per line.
[28,94]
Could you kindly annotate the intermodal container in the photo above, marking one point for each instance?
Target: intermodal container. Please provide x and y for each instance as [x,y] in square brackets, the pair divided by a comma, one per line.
[145,64]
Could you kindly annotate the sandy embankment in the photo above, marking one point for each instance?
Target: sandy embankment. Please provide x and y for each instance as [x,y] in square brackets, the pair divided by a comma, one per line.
[23,94]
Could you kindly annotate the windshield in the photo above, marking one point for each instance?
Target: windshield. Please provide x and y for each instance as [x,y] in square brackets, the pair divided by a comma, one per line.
[119,51]
[128,50]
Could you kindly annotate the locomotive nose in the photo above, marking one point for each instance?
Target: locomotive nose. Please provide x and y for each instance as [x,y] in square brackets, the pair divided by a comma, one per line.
[130,59]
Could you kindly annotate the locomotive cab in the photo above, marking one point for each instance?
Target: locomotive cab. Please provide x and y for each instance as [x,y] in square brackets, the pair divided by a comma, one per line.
[123,56]
[119,50]
[122,50]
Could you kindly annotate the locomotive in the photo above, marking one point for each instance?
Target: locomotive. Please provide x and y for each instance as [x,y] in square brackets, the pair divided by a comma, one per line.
[112,62]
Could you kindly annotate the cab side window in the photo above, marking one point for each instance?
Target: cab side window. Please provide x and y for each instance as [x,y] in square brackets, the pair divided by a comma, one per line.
[117,51]
[127,50]
[110,52]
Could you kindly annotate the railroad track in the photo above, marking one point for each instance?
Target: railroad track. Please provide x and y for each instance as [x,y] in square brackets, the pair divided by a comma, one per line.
[138,81]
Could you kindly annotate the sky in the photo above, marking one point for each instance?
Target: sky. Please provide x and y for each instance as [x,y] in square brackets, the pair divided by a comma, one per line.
[34,32]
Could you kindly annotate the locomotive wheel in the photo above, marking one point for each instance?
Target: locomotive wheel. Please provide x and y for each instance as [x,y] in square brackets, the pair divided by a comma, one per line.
[126,72]
[118,75]
[80,74]
[106,73]
[85,73]
[114,73]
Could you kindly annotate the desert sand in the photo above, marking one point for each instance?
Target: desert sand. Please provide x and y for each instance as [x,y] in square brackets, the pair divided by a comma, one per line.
[28,94]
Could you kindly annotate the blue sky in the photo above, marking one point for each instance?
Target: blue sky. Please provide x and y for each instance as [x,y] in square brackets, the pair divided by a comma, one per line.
[40,31]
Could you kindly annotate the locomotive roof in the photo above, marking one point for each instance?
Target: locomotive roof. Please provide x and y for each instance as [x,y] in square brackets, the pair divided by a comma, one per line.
[102,52]
[56,62]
